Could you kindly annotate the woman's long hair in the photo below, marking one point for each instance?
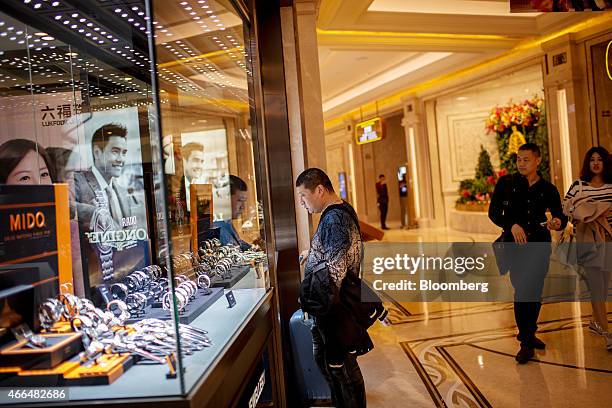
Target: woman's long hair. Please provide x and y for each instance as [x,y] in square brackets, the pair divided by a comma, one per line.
[13,151]
[586,174]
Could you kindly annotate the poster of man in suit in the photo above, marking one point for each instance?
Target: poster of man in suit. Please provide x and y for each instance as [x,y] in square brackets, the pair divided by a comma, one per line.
[109,196]
[98,154]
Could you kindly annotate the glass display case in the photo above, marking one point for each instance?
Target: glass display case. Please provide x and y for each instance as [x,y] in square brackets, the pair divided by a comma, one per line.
[133,259]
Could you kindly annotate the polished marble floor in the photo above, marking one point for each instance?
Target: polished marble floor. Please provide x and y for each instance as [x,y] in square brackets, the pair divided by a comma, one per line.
[462,354]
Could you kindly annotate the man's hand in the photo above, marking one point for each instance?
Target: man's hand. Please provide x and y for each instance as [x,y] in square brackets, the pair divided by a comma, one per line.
[303,256]
[519,234]
[553,224]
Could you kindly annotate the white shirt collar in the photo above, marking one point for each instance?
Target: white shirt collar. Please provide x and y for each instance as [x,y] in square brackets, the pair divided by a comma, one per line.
[99,178]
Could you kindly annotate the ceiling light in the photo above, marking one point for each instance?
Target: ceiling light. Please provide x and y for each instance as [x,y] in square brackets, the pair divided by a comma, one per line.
[41,34]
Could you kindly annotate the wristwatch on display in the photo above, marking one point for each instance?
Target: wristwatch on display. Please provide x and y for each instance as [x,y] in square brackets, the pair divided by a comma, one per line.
[102,221]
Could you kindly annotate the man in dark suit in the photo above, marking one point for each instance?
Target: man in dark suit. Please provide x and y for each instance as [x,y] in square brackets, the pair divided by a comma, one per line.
[382,198]
[109,148]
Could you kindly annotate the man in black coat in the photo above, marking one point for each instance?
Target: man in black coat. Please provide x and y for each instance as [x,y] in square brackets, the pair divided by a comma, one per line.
[337,337]
[518,205]
[382,199]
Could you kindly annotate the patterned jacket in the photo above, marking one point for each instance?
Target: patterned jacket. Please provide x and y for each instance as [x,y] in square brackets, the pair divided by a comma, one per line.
[337,242]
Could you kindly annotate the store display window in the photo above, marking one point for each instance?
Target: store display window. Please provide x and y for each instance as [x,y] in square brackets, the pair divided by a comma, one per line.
[133,239]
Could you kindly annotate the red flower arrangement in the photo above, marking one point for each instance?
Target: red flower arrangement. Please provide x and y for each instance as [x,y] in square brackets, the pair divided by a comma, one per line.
[524,114]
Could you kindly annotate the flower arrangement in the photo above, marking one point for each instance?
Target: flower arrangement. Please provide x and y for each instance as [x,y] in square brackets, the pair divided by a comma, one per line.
[526,114]
[513,124]
[518,123]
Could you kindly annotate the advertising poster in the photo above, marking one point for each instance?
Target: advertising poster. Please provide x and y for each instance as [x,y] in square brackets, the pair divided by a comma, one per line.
[205,161]
[99,155]
[35,255]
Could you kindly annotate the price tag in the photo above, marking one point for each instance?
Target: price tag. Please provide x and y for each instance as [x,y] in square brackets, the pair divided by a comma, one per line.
[105,294]
[231,300]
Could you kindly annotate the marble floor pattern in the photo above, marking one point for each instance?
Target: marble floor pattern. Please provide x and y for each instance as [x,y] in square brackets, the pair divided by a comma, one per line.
[460,355]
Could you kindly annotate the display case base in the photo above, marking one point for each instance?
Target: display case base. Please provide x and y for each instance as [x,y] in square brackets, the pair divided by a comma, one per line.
[191,312]
[109,368]
[59,347]
[237,273]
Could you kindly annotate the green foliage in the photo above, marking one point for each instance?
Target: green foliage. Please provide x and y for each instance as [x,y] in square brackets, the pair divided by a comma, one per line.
[479,189]
[484,168]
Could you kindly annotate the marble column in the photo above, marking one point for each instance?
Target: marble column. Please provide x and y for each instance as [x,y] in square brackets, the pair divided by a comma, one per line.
[304,103]
[424,184]
[567,108]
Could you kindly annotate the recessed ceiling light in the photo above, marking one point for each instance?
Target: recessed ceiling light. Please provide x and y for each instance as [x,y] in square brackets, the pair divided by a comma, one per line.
[41,34]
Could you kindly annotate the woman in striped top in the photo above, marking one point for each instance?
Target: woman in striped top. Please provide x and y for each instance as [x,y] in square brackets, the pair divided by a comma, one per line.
[595,183]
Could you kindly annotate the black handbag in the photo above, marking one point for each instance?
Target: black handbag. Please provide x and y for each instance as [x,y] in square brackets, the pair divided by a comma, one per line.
[362,300]
[317,291]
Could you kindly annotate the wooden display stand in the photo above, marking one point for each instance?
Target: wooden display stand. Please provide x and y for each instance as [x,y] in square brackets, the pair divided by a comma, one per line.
[109,368]
[61,347]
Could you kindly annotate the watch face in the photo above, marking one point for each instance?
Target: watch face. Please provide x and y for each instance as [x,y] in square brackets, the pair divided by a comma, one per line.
[101,222]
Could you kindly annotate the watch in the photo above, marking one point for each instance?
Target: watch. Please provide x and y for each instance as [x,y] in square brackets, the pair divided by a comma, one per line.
[101,222]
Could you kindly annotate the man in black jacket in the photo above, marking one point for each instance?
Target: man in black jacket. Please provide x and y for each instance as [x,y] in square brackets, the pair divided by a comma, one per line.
[382,200]
[518,205]
[337,338]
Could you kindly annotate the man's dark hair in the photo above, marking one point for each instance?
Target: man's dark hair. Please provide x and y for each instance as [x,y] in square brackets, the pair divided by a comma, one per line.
[236,184]
[313,177]
[100,136]
[586,174]
[532,147]
[381,175]
[190,148]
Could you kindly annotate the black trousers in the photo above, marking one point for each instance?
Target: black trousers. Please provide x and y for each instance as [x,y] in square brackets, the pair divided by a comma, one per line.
[383,214]
[527,274]
[345,380]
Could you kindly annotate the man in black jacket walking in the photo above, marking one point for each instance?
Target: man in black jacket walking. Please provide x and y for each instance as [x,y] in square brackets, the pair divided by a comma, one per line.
[518,205]
[337,338]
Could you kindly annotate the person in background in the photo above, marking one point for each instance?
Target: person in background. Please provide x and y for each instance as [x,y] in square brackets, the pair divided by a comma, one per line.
[23,161]
[518,205]
[227,233]
[337,339]
[595,186]
[382,199]
[193,166]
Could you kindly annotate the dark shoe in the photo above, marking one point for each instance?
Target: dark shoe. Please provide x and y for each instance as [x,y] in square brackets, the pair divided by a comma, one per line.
[385,228]
[536,343]
[524,355]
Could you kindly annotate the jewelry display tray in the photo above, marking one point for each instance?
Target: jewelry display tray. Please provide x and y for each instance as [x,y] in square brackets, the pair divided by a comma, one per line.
[237,273]
[60,347]
[69,373]
[191,312]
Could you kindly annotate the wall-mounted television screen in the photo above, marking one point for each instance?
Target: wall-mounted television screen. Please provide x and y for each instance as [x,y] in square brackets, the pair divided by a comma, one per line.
[369,131]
